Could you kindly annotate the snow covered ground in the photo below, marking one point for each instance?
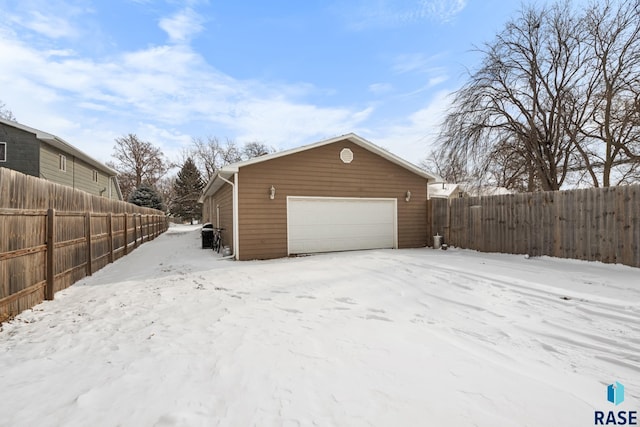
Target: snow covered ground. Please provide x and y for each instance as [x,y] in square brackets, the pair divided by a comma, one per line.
[173,336]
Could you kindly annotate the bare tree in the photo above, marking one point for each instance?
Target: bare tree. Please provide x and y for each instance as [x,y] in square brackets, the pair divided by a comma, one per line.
[256,149]
[452,168]
[165,187]
[6,113]
[229,152]
[137,162]
[609,119]
[511,167]
[511,107]
[211,154]
[555,101]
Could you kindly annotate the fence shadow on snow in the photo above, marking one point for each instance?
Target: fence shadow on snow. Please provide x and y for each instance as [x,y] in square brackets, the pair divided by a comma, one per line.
[52,236]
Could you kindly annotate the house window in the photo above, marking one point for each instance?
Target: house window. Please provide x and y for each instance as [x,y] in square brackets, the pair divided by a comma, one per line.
[3,151]
[63,163]
[95,176]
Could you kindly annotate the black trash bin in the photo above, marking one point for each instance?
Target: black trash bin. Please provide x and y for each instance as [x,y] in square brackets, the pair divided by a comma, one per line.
[207,235]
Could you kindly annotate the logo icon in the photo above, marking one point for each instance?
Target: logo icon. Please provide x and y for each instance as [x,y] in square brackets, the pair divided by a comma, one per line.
[615,393]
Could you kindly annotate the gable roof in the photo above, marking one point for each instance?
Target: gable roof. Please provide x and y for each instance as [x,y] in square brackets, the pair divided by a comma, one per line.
[61,145]
[443,189]
[227,171]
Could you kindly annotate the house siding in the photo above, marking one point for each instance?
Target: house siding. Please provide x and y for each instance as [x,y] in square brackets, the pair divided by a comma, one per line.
[22,150]
[319,172]
[79,174]
[50,166]
[114,192]
[224,198]
[83,178]
[37,153]
[208,209]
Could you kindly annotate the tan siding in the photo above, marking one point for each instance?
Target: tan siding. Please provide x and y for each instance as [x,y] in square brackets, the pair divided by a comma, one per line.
[320,172]
[207,209]
[224,198]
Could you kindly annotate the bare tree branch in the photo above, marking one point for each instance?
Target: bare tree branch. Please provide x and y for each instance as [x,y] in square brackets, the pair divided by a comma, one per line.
[137,162]
[555,100]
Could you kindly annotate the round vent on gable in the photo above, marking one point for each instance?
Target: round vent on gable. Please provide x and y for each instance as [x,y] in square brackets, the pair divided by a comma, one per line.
[346,155]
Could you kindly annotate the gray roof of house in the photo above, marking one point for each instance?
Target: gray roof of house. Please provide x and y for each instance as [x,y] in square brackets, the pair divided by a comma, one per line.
[61,145]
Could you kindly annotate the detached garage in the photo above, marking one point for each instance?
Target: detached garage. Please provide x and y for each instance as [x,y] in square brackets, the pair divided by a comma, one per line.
[335,195]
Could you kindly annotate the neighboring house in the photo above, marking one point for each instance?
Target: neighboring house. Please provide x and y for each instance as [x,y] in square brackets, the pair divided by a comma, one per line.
[339,194]
[37,153]
[485,190]
[445,190]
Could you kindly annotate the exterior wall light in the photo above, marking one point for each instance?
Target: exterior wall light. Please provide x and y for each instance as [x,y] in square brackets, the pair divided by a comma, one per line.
[272,192]
[408,196]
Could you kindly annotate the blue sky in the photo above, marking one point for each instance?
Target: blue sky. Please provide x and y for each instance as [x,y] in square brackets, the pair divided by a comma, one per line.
[285,73]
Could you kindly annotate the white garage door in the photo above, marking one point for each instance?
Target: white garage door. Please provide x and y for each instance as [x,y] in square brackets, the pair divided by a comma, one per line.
[318,224]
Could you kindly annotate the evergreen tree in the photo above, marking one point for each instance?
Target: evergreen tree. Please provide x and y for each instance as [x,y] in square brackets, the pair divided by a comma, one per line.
[146,196]
[187,190]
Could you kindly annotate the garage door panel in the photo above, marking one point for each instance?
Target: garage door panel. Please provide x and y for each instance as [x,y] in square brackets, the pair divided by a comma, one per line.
[342,230]
[328,224]
[336,245]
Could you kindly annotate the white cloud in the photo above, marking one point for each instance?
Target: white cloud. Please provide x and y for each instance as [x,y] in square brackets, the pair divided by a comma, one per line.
[380,88]
[89,102]
[413,138]
[63,53]
[182,26]
[171,141]
[436,80]
[285,124]
[391,13]
[417,63]
[444,10]
[49,26]
[52,19]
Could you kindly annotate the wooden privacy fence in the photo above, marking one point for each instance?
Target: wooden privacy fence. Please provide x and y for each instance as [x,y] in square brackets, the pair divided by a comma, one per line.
[596,224]
[52,236]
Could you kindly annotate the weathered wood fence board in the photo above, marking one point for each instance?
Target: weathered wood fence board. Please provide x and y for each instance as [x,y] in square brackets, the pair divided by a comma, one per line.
[52,236]
[597,224]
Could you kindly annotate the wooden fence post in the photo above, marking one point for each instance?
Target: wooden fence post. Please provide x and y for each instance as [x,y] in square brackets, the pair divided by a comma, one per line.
[447,228]
[135,229]
[110,225]
[126,235]
[87,230]
[51,223]
[141,229]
